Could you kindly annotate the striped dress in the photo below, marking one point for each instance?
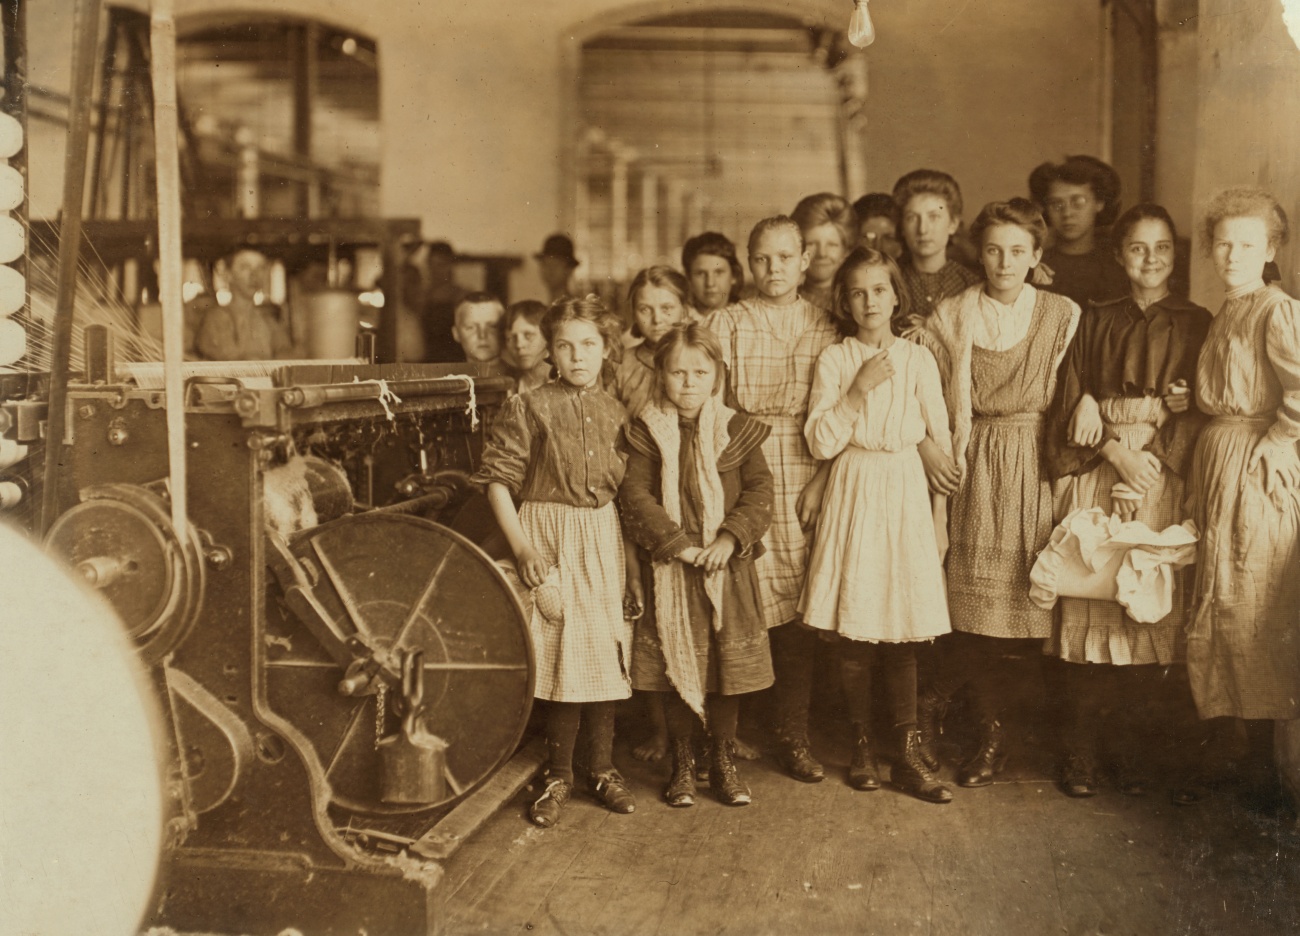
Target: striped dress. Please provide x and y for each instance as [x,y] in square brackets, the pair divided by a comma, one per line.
[770,352]
[1001,516]
[1243,645]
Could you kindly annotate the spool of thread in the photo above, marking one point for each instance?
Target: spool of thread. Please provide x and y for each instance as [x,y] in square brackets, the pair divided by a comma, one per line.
[286,498]
[11,495]
[13,291]
[13,341]
[11,135]
[333,317]
[13,239]
[11,453]
[11,188]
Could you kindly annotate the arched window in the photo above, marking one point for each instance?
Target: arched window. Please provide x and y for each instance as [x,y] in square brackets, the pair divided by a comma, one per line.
[707,120]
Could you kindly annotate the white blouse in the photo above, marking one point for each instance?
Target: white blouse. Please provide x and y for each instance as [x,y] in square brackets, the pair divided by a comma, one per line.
[1000,327]
[895,415]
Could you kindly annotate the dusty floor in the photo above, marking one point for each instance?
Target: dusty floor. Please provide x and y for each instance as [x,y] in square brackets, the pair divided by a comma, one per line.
[1015,858]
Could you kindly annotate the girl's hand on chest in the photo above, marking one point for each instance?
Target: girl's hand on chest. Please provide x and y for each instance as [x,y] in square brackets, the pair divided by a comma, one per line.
[873,372]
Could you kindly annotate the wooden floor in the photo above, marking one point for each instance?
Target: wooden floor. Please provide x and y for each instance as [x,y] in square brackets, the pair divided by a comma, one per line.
[1014,858]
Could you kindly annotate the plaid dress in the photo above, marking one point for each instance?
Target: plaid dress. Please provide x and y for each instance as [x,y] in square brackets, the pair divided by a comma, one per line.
[770,352]
[557,449]
[1243,644]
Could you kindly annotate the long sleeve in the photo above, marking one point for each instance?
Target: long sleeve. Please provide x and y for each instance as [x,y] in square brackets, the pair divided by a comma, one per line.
[831,417]
[929,393]
[639,501]
[751,515]
[1282,345]
[1061,455]
[506,452]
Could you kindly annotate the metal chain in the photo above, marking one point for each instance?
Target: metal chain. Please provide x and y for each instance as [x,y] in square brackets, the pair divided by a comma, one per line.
[381,696]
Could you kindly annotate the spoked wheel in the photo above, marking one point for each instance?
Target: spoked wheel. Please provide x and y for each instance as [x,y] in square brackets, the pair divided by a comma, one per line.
[404,583]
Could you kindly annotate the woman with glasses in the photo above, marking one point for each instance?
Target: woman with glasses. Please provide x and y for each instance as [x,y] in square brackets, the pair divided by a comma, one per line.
[1079,199]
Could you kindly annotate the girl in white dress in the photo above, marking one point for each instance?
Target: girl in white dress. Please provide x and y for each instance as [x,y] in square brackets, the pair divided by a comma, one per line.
[875,576]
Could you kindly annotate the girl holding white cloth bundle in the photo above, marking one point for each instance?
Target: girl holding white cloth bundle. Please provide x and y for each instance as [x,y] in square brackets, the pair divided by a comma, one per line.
[1120,438]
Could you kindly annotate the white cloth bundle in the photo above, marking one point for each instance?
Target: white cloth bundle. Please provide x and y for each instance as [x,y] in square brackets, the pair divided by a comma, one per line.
[1095,555]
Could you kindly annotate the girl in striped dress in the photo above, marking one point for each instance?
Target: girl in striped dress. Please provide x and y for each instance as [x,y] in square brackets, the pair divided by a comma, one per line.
[829,227]
[998,346]
[770,344]
[1243,655]
[557,449]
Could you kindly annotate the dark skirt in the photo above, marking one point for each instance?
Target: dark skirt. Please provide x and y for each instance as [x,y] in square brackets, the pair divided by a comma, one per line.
[732,660]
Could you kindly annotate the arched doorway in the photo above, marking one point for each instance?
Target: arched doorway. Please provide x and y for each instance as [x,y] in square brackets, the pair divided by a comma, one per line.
[707,120]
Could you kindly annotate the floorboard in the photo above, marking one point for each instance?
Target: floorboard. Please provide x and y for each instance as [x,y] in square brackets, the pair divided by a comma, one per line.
[1011,859]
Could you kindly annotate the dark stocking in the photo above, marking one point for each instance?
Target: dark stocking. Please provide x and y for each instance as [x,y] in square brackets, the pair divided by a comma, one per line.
[599,717]
[855,672]
[793,650]
[682,720]
[562,719]
[724,712]
[897,662]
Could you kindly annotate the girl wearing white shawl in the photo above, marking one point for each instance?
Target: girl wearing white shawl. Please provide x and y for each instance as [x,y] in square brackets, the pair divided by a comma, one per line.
[697,499]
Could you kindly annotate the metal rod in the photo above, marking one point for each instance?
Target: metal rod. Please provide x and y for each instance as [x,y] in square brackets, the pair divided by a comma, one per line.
[435,501]
[107,67]
[306,397]
[162,42]
[428,667]
[85,38]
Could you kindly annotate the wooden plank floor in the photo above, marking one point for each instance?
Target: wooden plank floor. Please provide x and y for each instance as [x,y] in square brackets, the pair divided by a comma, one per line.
[1014,858]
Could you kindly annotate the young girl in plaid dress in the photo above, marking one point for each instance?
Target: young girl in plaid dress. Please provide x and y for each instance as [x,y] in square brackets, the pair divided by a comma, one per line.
[557,449]
[770,344]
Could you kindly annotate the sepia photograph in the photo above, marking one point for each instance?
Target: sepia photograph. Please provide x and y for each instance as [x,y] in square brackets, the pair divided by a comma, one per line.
[650,467]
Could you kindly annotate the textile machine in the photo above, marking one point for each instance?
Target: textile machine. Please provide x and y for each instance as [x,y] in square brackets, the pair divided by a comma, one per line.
[342,675]
[336,674]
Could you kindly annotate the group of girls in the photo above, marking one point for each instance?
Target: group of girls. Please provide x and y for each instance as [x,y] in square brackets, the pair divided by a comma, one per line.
[860,459]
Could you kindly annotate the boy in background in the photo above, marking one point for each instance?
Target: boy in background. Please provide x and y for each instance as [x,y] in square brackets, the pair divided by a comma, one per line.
[477,327]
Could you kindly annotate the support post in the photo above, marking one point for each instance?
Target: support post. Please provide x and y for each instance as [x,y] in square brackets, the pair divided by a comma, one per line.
[85,36]
[162,40]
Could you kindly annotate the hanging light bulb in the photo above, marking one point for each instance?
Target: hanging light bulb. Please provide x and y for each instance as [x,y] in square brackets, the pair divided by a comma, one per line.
[862,32]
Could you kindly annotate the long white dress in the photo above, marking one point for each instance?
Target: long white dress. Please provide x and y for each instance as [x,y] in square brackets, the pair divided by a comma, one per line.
[875,572]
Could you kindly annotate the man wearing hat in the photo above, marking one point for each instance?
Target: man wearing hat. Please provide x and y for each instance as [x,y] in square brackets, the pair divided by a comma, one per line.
[556,263]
